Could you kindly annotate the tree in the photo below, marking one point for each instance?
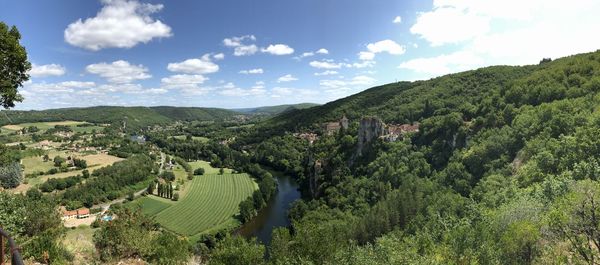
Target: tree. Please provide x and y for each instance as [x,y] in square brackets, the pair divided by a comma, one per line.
[221,171]
[46,158]
[176,196]
[58,161]
[199,171]
[10,175]
[236,250]
[151,187]
[168,175]
[575,220]
[15,66]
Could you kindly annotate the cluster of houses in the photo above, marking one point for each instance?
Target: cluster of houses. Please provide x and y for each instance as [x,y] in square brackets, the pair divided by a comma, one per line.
[80,213]
[389,132]
[394,131]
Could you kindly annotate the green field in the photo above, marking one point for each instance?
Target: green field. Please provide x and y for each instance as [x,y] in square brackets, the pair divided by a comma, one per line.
[195,138]
[43,126]
[152,205]
[210,203]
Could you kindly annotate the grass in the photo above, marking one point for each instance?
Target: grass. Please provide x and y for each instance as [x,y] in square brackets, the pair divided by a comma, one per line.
[152,205]
[79,241]
[211,203]
[195,138]
[43,126]
[208,169]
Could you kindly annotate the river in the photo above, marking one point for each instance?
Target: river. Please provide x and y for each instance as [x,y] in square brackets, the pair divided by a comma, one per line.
[275,214]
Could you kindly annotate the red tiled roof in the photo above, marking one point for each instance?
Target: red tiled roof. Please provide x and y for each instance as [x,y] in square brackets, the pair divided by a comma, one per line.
[83,211]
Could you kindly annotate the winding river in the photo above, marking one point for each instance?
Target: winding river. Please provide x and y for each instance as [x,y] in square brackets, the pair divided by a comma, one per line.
[275,214]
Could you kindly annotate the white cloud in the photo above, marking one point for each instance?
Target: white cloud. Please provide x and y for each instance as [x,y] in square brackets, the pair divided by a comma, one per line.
[494,32]
[231,90]
[397,20]
[119,71]
[360,80]
[202,65]
[362,64]
[324,64]
[278,49]
[366,56]
[252,71]
[241,49]
[443,64]
[119,24]
[287,78]
[183,81]
[47,88]
[328,72]
[388,46]
[322,51]
[259,85]
[46,70]
[219,56]
[237,41]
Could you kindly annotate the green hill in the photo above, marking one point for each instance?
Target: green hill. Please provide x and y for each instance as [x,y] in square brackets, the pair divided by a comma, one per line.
[136,117]
[274,110]
[504,169]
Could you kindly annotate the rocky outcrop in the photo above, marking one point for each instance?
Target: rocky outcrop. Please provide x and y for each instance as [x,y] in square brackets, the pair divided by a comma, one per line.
[370,129]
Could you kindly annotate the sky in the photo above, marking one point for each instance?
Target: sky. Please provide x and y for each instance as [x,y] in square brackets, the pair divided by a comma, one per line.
[240,54]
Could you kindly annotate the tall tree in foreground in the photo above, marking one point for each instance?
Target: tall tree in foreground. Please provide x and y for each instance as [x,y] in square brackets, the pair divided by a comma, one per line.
[14,65]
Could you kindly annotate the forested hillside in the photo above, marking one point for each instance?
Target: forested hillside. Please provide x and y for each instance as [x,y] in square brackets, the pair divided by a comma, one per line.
[503,170]
[136,117]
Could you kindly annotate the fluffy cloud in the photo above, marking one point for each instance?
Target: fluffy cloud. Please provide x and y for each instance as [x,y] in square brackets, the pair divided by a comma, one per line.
[46,70]
[366,56]
[397,20]
[325,64]
[231,90]
[278,49]
[322,51]
[119,71]
[443,64]
[388,46]
[494,32]
[46,88]
[360,80]
[202,65]
[310,54]
[241,49]
[219,56]
[328,72]
[252,71]
[119,24]
[183,81]
[287,78]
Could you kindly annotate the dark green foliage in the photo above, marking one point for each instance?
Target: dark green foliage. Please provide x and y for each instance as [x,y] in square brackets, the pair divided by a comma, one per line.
[133,234]
[167,175]
[15,66]
[111,181]
[10,175]
[199,171]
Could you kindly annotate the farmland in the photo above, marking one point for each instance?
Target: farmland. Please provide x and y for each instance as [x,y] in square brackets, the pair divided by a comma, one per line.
[211,202]
[208,202]
[43,126]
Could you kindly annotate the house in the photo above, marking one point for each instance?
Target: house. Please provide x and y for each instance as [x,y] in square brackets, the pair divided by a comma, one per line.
[83,213]
[310,137]
[69,214]
[393,132]
[75,214]
[329,128]
[140,139]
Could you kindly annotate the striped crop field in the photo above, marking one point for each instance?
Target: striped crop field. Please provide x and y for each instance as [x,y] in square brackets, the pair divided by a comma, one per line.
[210,203]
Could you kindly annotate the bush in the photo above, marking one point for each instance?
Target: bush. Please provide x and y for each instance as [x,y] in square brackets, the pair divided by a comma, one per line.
[176,197]
[199,171]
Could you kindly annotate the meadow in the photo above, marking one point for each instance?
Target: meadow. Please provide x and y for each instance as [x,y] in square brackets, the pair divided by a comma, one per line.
[43,126]
[208,202]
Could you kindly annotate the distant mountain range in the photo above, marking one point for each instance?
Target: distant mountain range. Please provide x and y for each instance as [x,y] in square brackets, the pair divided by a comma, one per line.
[138,117]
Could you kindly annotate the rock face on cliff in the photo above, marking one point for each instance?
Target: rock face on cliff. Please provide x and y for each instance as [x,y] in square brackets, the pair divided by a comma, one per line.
[370,129]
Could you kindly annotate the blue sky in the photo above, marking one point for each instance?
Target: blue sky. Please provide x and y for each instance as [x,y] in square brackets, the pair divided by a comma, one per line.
[234,54]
